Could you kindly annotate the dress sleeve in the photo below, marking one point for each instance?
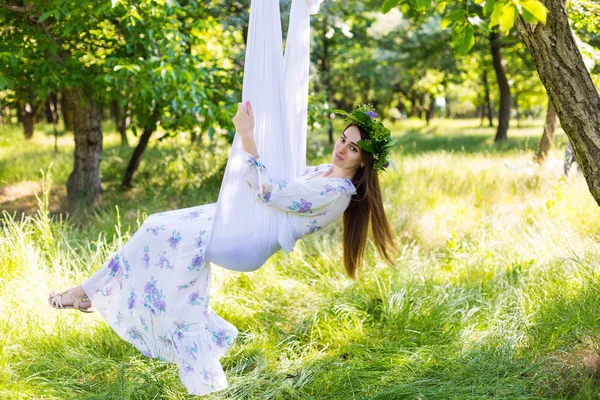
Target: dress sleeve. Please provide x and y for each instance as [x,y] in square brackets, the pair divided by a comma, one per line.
[306,198]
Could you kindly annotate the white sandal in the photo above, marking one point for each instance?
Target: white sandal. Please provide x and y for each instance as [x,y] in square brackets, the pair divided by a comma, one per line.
[55,301]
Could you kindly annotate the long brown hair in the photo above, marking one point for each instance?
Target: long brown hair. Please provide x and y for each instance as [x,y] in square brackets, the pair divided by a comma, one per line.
[365,204]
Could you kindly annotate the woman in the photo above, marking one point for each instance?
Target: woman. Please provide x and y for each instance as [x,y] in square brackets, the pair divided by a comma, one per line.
[154,290]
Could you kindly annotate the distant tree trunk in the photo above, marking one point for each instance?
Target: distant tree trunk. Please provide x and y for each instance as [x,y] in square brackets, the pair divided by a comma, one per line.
[448,113]
[518,113]
[505,100]
[52,104]
[481,111]
[414,109]
[28,117]
[1,113]
[430,112]
[48,111]
[19,112]
[547,140]
[136,157]
[422,108]
[67,113]
[83,185]
[569,85]
[123,119]
[488,100]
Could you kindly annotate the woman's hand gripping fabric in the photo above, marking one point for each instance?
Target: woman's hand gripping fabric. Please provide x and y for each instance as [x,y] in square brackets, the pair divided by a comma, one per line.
[244,121]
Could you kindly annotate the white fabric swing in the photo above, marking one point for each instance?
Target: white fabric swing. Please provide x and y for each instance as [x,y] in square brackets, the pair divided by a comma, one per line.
[277,87]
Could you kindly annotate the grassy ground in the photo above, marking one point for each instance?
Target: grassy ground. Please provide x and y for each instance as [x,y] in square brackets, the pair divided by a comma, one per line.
[495,293]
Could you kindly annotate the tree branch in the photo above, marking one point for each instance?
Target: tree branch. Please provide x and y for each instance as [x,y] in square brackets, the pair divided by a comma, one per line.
[16,9]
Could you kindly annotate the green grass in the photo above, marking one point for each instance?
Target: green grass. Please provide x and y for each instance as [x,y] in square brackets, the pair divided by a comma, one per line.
[495,292]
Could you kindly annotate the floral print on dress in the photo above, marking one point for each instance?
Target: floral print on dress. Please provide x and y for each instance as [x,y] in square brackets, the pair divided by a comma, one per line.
[174,239]
[131,300]
[114,265]
[197,262]
[199,239]
[192,351]
[155,229]
[195,299]
[163,261]
[154,298]
[187,285]
[312,227]
[127,267]
[191,215]
[146,258]
[221,338]
[303,206]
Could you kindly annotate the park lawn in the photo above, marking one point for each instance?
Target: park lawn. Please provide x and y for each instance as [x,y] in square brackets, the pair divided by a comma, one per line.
[495,291]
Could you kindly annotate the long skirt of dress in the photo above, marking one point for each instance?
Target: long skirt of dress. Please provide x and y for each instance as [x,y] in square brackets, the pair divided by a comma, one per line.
[154,292]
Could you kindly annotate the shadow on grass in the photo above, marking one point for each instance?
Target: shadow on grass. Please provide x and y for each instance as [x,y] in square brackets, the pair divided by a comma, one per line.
[419,140]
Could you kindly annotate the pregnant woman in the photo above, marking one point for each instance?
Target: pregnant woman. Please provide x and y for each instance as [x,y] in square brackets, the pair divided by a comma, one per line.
[154,290]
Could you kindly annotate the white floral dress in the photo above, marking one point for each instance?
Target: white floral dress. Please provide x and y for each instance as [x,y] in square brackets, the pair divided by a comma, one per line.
[154,290]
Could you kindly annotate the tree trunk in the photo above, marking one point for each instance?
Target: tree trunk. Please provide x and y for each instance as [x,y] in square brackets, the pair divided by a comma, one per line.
[28,117]
[488,100]
[518,113]
[430,112]
[569,86]
[547,140]
[505,100]
[134,162]
[67,113]
[19,112]
[123,118]
[48,111]
[83,185]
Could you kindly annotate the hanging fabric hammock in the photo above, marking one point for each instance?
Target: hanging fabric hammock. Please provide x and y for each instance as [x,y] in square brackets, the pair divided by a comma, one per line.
[277,87]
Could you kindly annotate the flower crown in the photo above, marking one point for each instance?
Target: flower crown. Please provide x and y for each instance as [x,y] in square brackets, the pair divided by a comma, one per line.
[380,140]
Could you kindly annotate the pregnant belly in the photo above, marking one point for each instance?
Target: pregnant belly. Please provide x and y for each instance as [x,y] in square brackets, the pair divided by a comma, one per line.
[240,253]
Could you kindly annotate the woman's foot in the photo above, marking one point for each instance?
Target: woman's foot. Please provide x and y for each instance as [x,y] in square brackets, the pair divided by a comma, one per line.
[74,297]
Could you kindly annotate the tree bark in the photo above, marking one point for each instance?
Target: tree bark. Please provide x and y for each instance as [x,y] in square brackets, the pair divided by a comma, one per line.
[123,119]
[518,113]
[67,113]
[569,86]
[136,157]
[488,100]
[48,111]
[430,111]
[505,100]
[547,140]
[28,117]
[83,185]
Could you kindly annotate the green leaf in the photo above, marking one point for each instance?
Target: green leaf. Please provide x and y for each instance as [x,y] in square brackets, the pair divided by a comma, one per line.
[45,16]
[450,19]
[508,17]
[478,22]
[463,38]
[388,5]
[528,17]
[489,7]
[423,4]
[366,145]
[536,9]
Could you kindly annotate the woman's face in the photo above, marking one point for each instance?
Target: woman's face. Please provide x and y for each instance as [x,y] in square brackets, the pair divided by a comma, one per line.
[346,153]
